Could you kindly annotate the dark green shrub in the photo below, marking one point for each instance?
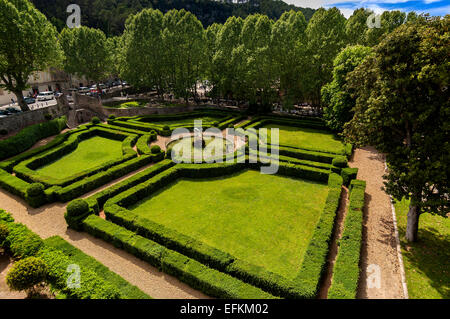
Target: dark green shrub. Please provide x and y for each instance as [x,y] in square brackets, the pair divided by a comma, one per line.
[29,136]
[35,189]
[35,195]
[340,161]
[155,149]
[4,232]
[166,128]
[48,116]
[112,117]
[169,153]
[22,242]
[77,210]
[95,120]
[3,132]
[26,274]
[349,174]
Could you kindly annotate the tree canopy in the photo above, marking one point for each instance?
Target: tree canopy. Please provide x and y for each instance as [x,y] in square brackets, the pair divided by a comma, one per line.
[402,109]
[28,44]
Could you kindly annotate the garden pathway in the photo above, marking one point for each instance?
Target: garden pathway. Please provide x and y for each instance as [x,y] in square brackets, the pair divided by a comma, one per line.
[379,251]
[49,221]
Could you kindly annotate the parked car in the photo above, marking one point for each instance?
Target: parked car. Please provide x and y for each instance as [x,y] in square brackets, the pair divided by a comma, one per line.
[4,113]
[12,110]
[30,100]
[83,89]
[46,96]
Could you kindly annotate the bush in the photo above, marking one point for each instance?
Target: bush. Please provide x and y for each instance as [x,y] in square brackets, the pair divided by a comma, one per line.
[22,242]
[29,136]
[155,149]
[340,161]
[35,195]
[95,120]
[349,174]
[26,274]
[3,132]
[4,232]
[166,128]
[48,116]
[112,117]
[77,210]
[35,189]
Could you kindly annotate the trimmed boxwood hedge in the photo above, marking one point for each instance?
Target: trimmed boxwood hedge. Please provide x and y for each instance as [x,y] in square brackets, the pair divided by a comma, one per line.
[348,174]
[27,137]
[214,258]
[212,282]
[26,169]
[21,242]
[346,269]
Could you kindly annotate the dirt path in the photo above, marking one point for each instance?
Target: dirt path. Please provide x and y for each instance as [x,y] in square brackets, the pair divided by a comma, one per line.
[379,243]
[49,220]
[5,292]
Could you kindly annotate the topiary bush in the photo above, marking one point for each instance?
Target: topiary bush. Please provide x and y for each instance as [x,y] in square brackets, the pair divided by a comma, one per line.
[48,116]
[77,211]
[3,132]
[4,232]
[155,149]
[349,174]
[95,120]
[35,195]
[22,242]
[26,274]
[112,117]
[340,161]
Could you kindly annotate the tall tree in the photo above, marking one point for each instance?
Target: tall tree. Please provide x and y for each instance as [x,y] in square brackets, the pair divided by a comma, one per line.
[390,20]
[326,37]
[144,62]
[28,44]
[403,109]
[356,26]
[256,64]
[86,53]
[336,95]
[288,36]
[183,38]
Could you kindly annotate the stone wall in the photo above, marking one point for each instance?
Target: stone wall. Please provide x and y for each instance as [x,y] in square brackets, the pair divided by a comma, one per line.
[16,122]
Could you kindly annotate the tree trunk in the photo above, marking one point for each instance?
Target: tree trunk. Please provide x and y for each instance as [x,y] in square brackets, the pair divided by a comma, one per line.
[21,101]
[412,225]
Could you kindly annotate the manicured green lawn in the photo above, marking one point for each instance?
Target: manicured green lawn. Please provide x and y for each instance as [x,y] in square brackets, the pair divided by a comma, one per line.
[308,139]
[127,290]
[427,262]
[266,220]
[90,153]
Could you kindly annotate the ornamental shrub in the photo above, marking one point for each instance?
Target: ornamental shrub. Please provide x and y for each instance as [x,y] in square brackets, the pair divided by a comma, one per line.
[22,242]
[77,210]
[340,161]
[4,232]
[35,195]
[112,117]
[166,128]
[26,274]
[95,120]
[3,132]
[155,149]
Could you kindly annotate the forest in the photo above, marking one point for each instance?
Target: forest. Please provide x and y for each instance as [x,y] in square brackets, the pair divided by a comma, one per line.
[110,15]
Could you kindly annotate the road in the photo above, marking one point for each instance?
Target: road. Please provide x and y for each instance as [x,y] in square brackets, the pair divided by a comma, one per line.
[34,106]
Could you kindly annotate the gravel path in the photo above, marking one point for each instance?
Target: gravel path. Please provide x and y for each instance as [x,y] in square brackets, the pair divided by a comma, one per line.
[379,244]
[5,292]
[49,221]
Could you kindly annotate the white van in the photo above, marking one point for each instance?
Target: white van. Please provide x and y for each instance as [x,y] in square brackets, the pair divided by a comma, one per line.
[45,96]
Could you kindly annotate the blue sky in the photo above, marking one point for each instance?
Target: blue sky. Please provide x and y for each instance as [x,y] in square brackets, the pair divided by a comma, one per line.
[434,7]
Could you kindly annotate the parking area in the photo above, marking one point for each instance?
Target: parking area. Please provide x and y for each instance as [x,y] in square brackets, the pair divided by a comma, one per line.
[8,109]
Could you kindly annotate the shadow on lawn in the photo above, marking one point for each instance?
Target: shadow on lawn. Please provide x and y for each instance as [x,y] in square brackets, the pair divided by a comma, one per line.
[430,256]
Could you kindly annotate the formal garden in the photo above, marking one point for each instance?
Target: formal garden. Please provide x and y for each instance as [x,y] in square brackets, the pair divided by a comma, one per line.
[225,229]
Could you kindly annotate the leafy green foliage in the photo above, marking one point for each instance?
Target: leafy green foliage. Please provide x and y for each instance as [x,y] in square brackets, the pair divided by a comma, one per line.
[28,44]
[336,96]
[22,242]
[4,232]
[86,52]
[402,109]
[26,274]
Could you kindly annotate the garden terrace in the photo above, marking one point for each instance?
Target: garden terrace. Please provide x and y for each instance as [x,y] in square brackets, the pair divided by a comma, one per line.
[165,124]
[75,163]
[144,220]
